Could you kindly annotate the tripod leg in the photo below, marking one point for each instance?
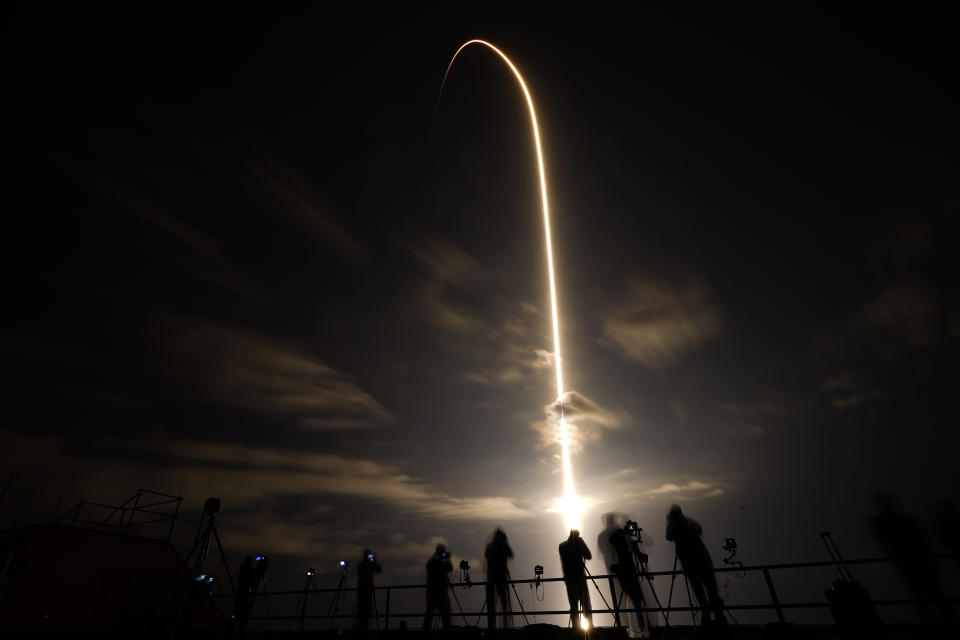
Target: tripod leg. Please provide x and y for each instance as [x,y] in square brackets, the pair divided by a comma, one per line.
[519,603]
[457,600]
[673,578]
[223,556]
[693,618]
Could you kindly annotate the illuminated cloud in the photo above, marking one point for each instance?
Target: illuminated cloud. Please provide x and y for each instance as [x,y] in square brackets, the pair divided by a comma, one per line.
[240,368]
[656,324]
[246,474]
[690,490]
[586,421]
[503,339]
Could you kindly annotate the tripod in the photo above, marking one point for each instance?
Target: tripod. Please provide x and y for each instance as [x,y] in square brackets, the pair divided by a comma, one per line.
[686,581]
[595,586]
[341,587]
[508,611]
[302,602]
[199,552]
[639,561]
[457,600]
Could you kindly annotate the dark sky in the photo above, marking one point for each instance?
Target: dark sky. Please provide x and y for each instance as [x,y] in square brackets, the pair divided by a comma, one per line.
[248,248]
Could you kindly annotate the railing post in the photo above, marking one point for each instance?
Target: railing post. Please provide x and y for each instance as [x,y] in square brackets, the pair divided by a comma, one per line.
[173,520]
[616,603]
[773,596]
[386,613]
[133,512]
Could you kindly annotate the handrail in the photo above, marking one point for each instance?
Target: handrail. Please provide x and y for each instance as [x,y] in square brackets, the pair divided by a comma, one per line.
[775,603]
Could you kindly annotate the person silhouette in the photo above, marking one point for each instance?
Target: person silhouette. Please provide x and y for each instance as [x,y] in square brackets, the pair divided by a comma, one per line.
[497,553]
[626,570]
[901,538]
[438,566]
[573,553]
[948,528]
[367,566]
[697,565]
[243,599]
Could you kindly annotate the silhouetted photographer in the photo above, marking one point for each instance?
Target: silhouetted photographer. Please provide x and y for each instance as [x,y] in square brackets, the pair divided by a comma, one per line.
[624,541]
[573,554]
[438,566]
[243,598]
[497,553]
[367,566]
[900,536]
[697,564]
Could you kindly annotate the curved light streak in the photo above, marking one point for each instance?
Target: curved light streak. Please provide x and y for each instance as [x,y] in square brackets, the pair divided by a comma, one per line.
[569,504]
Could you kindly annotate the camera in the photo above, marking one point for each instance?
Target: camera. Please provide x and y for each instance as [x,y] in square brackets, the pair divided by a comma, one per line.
[729,544]
[464,565]
[538,570]
[344,564]
[632,528]
[371,557]
[444,555]
[311,571]
[211,506]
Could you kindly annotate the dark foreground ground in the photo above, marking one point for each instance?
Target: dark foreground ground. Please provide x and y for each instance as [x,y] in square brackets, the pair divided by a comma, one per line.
[551,632]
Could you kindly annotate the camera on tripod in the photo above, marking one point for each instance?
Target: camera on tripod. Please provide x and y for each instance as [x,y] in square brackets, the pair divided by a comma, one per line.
[464,565]
[344,564]
[538,570]
[729,544]
[371,557]
[211,506]
[632,529]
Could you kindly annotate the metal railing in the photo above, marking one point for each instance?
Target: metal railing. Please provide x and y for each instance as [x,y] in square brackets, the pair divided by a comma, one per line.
[383,618]
[129,514]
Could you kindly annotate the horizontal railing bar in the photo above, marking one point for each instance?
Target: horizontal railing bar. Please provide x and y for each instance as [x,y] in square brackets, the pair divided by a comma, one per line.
[141,507]
[134,524]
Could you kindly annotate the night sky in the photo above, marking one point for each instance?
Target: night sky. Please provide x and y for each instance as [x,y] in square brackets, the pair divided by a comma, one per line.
[249,249]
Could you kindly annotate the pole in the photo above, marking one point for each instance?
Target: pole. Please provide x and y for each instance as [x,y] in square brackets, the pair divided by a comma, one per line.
[773,596]
[616,603]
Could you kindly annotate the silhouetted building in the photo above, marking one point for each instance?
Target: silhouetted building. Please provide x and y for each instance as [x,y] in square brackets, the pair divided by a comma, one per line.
[60,579]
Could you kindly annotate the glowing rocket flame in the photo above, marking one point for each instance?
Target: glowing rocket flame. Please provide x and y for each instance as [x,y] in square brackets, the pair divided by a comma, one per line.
[569,505]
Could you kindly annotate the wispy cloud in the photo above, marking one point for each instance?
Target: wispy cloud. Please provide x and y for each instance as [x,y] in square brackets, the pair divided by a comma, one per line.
[248,474]
[241,368]
[657,323]
[690,490]
[290,195]
[906,315]
[503,337]
[586,421]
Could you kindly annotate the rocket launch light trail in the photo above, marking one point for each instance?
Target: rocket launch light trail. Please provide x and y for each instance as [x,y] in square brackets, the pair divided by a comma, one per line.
[569,505]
